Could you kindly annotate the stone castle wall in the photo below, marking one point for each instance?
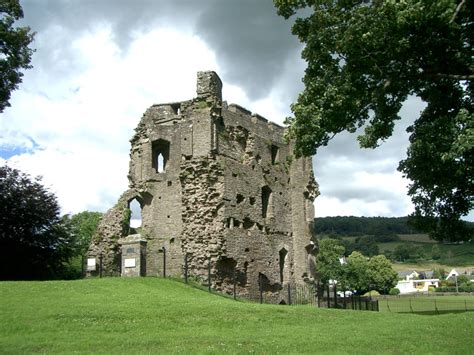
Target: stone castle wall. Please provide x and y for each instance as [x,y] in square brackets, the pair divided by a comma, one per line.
[230,191]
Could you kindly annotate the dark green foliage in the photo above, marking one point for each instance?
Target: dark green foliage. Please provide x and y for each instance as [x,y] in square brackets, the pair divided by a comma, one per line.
[463,279]
[367,245]
[327,260]
[394,291]
[382,277]
[435,252]
[406,252]
[83,226]
[384,228]
[35,242]
[439,274]
[358,273]
[364,58]
[462,288]
[14,52]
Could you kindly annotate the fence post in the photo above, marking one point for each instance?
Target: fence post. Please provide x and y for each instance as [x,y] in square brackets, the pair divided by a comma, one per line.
[186,268]
[411,309]
[335,294]
[235,285]
[388,307]
[289,294]
[360,303]
[164,262]
[260,288]
[318,293]
[465,305]
[329,298]
[100,265]
[83,259]
[436,306]
[209,274]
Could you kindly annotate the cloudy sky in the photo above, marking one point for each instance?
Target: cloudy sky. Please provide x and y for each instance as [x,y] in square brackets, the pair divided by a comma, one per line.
[100,63]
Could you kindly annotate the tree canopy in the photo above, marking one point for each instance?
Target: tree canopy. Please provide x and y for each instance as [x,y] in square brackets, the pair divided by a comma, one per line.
[14,51]
[350,225]
[364,58]
[36,242]
[357,272]
[327,260]
[83,226]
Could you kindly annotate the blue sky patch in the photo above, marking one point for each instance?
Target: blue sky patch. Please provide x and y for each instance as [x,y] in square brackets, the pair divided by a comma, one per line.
[8,151]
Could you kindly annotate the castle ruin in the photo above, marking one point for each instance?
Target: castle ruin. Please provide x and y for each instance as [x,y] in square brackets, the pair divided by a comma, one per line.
[216,184]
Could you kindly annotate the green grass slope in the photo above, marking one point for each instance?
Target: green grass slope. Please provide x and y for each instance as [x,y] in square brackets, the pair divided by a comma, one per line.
[156,315]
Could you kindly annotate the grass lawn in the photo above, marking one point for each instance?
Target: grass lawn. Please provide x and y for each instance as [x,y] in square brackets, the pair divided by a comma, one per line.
[156,315]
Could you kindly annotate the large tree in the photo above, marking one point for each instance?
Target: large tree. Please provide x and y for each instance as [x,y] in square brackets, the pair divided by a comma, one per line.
[83,226]
[364,58]
[328,261]
[357,273]
[36,242]
[15,54]
[381,275]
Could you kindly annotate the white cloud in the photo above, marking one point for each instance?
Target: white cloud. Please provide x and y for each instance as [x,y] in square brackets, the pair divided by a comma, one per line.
[82,122]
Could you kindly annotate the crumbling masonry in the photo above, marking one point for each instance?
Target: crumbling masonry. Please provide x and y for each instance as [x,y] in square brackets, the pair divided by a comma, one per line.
[217,183]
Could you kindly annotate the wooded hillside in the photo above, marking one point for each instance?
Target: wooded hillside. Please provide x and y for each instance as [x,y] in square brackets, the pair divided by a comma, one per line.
[363,225]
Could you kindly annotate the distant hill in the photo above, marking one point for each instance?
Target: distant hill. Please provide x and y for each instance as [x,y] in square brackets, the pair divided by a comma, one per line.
[354,226]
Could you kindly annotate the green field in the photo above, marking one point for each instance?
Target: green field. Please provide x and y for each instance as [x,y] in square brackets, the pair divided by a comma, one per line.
[157,315]
[452,255]
[427,304]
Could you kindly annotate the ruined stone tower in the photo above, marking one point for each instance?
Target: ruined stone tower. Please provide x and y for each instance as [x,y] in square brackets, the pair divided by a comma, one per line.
[217,183]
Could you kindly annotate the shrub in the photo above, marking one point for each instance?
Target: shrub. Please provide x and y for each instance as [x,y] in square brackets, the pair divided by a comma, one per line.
[462,288]
[394,291]
[371,293]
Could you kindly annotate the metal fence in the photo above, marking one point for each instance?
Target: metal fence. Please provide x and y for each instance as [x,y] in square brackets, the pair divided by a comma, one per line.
[287,293]
[426,304]
[318,295]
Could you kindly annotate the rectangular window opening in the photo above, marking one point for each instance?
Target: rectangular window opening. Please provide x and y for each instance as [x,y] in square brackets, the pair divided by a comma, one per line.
[274,152]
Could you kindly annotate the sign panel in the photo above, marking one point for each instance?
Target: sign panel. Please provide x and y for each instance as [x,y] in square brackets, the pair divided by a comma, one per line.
[130,262]
[91,264]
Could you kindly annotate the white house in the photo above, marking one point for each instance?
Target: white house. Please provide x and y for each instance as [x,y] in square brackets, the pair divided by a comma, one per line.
[410,274]
[413,286]
[452,273]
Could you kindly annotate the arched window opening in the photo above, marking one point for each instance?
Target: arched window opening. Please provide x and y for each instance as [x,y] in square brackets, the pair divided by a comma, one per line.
[160,155]
[267,202]
[160,163]
[135,216]
[283,254]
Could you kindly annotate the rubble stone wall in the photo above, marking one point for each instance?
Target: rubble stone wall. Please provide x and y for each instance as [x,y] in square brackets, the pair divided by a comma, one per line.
[227,189]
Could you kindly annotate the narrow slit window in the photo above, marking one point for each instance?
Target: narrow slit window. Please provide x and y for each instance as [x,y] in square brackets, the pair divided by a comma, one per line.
[266,202]
[160,163]
[283,254]
[160,155]
[274,152]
